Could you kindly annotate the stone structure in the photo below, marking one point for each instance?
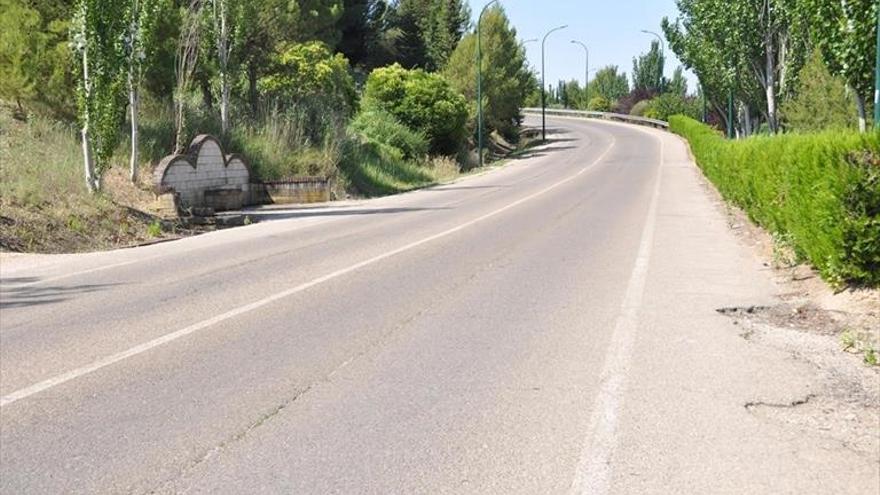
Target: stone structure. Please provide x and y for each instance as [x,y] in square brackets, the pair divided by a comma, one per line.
[296,190]
[204,176]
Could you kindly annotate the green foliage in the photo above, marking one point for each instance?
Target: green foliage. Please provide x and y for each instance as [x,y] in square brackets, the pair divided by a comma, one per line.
[600,104]
[376,169]
[641,108]
[648,70]
[422,101]
[382,127]
[507,80]
[310,71]
[609,84]
[669,104]
[35,59]
[820,191]
[99,37]
[822,101]
[430,31]
[846,31]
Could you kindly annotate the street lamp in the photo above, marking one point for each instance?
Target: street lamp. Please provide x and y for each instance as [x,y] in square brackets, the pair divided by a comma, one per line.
[586,73]
[543,82]
[526,42]
[480,83]
[662,52]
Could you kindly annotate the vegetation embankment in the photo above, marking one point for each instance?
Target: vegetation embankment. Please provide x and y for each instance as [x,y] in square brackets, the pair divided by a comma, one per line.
[818,192]
[377,96]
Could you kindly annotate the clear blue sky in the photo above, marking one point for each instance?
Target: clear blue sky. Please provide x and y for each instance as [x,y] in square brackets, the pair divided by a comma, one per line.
[611,29]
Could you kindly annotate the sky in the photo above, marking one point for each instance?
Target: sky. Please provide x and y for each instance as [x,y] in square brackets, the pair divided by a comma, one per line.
[610,29]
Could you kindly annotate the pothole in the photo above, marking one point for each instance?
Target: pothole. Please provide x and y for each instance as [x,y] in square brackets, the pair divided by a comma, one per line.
[803,317]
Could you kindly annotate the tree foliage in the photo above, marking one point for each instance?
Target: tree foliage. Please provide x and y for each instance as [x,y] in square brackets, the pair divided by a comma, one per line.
[648,70]
[422,101]
[100,28]
[845,31]
[507,80]
[609,84]
[822,101]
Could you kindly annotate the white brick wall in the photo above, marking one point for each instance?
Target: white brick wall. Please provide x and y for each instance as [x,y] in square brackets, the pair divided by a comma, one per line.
[191,175]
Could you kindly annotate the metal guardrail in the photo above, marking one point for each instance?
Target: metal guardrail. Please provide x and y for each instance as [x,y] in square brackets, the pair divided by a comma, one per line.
[618,117]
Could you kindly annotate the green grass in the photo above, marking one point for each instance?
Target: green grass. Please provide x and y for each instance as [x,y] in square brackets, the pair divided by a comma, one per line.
[820,192]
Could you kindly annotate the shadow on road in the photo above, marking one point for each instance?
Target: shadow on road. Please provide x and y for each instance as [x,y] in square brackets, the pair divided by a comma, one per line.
[326,211]
[22,292]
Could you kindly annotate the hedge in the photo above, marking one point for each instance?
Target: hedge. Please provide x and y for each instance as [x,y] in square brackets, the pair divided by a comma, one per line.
[820,192]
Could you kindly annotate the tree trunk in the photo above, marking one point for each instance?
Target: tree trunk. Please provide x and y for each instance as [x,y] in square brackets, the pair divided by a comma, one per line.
[863,117]
[252,88]
[223,58]
[88,160]
[771,86]
[134,104]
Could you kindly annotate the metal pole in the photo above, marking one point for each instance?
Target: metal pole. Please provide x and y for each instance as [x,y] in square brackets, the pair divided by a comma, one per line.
[543,83]
[877,76]
[480,84]
[586,73]
[703,93]
[730,113]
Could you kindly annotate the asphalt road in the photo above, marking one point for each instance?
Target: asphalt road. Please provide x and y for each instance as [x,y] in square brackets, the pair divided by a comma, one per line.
[548,327]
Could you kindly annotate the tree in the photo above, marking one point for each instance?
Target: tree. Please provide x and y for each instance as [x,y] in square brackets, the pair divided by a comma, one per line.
[140,16]
[422,101]
[225,16]
[822,100]
[99,29]
[431,29]
[610,84]
[750,49]
[845,31]
[36,63]
[648,70]
[678,84]
[185,66]
[507,80]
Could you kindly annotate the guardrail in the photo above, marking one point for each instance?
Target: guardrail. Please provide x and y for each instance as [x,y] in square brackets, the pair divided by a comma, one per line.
[618,117]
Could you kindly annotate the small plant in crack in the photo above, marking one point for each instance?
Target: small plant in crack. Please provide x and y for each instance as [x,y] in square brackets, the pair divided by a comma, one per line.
[848,340]
[871,357]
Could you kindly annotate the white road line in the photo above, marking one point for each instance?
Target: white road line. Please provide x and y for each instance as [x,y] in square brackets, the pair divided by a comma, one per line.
[165,339]
[593,475]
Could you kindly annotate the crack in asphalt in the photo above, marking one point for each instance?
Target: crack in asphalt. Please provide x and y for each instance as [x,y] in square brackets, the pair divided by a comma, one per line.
[778,405]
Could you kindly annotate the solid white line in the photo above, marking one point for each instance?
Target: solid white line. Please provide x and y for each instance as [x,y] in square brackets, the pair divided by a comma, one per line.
[146,346]
[593,475]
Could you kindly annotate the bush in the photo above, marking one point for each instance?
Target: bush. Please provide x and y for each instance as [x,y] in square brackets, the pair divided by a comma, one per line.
[421,101]
[380,126]
[668,104]
[640,108]
[600,104]
[821,191]
[821,102]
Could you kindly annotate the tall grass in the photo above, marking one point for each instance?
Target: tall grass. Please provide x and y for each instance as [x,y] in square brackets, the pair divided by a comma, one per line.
[821,191]
[40,161]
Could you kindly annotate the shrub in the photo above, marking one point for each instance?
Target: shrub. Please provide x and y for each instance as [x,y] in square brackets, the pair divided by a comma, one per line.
[821,191]
[600,104]
[640,108]
[421,101]
[382,127]
[668,104]
[821,102]
[310,71]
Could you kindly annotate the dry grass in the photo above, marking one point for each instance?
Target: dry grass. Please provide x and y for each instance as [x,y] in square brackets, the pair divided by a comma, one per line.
[44,205]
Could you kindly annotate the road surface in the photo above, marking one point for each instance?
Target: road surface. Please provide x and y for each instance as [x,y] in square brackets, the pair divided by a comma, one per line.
[549,327]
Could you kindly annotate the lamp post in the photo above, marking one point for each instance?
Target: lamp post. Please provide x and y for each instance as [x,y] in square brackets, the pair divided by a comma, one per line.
[586,73]
[543,82]
[662,53]
[480,83]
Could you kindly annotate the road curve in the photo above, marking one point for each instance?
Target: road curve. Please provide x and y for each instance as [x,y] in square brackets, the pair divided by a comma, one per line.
[548,327]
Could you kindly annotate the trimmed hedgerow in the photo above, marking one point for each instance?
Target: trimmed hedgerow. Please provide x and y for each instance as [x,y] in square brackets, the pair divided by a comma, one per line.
[820,191]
